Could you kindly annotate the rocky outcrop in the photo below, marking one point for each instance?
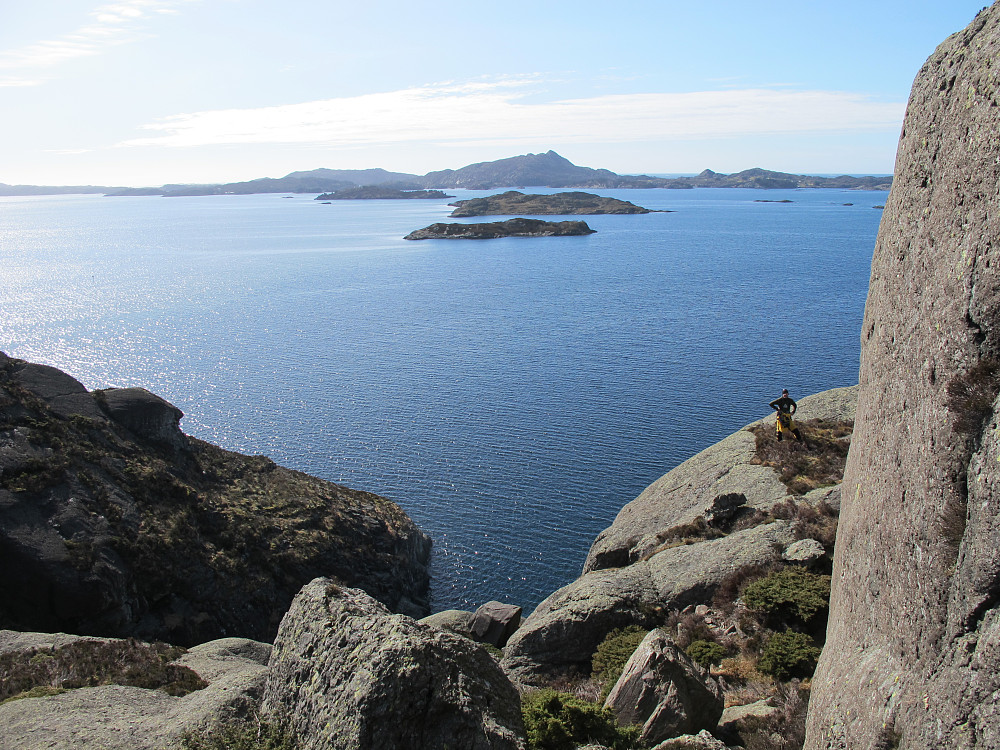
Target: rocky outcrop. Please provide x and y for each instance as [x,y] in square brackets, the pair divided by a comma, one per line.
[514,203]
[708,484]
[116,717]
[144,413]
[492,230]
[664,692]
[349,674]
[113,522]
[561,635]
[671,547]
[912,657]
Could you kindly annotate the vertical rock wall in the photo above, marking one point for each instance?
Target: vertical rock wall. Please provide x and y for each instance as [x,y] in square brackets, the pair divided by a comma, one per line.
[913,651]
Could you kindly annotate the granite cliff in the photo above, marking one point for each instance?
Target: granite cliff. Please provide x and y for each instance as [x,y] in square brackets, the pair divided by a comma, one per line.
[913,650]
[115,523]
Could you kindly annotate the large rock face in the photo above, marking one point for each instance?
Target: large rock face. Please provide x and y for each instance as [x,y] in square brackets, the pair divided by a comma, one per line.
[912,658]
[113,522]
[348,674]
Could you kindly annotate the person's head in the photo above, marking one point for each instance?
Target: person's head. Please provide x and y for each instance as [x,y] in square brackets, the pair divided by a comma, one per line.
[784,391]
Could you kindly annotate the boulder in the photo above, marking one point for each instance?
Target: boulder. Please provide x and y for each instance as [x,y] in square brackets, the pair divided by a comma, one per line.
[115,717]
[733,716]
[912,656]
[701,741]
[349,674]
[495,623]
[457,621]
[563,632]
[64,394]
[708,486]
[665,692]
[804,551]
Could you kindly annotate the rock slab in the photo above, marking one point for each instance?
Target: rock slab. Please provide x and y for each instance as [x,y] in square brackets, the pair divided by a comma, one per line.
[348,674]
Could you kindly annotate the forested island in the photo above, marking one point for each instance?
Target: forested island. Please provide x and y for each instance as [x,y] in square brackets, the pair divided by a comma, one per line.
[514,202]
[381,192]
[492,230]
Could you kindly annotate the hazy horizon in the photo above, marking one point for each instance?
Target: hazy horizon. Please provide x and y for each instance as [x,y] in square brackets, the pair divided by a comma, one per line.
[150,92]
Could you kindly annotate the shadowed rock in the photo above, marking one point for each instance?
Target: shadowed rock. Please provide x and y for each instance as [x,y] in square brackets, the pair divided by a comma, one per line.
[115,523]
[145,414]
[495,623]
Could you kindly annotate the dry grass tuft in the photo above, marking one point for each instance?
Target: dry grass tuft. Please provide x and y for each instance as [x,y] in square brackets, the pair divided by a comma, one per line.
[804,467]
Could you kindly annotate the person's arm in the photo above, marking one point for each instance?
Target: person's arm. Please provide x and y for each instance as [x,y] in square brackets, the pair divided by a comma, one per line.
[774,405]
[794,408]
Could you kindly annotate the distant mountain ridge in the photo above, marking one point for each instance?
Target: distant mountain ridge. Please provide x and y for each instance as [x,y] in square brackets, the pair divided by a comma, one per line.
[536,170]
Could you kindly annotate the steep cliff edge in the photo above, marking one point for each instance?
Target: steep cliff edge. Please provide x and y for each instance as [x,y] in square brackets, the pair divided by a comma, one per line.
[912,658]
[113,522]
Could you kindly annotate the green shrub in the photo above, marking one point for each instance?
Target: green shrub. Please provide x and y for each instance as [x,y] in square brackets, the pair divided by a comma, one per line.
[560,721]
[613,653]
[788,654]
[247,735]
[789,593]
[706,653]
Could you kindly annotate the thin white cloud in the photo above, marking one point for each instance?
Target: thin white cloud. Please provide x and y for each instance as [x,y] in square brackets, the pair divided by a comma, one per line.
[497,113]
[112,24]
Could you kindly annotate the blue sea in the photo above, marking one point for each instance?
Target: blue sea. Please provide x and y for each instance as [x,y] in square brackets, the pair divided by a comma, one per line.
[510,394]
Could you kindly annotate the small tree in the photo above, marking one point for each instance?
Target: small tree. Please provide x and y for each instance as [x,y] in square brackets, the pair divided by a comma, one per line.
[789,593]
[787,655]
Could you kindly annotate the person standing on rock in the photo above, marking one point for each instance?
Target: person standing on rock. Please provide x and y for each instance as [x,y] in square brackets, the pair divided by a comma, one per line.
[785,407]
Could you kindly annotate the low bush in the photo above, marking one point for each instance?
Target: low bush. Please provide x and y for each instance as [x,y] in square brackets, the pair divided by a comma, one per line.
[789,594]
[785,729]
[559,721]
[803,468]
[787,655]
[614,652]
[706,653]
[809,521]
[90,663]
[247,735]
[971,396]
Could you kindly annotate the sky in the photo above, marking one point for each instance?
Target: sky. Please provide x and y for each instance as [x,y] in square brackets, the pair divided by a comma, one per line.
[148,92]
